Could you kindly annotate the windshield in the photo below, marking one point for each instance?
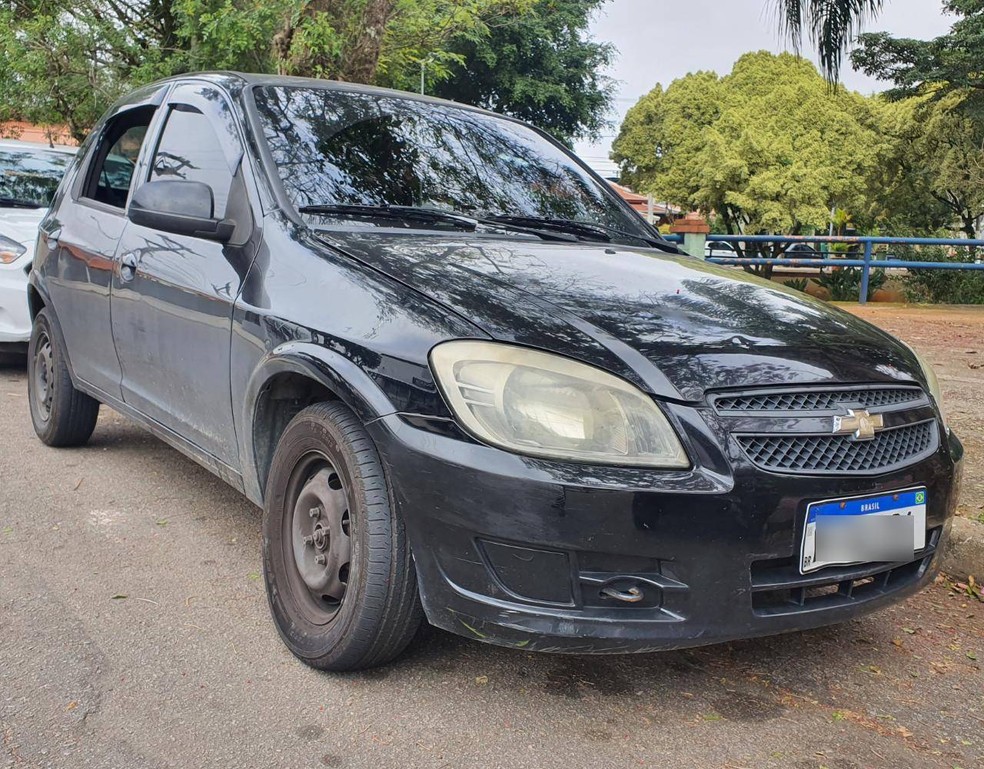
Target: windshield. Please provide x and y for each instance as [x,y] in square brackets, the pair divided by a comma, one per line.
[337,148]
[30,175]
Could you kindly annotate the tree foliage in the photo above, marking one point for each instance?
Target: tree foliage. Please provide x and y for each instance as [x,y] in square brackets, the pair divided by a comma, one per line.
[65,61]
[539,66]
[950,64]
[934,175]
[769,147]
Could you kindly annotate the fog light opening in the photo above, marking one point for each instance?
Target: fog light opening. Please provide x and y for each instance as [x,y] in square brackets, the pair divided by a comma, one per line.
[631,594]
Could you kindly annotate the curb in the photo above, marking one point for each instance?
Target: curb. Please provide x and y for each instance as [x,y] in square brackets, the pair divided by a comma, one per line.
[963,553]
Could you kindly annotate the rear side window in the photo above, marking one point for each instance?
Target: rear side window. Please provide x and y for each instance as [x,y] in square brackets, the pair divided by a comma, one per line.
[189,150]
[115,158]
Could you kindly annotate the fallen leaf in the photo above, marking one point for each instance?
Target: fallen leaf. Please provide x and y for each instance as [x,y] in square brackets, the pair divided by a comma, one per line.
[72,705]
[482,680]
[118,597]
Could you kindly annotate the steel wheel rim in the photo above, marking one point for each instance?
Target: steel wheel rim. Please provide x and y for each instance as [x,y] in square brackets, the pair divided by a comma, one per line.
[43,376]
[316,538]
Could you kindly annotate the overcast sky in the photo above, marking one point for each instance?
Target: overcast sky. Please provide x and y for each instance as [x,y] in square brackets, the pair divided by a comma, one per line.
[659,41]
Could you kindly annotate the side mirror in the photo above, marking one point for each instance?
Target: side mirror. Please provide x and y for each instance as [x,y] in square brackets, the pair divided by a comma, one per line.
[181,207]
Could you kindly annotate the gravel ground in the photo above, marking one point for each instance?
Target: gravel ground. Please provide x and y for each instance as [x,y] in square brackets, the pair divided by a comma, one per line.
[134,633]
[952,339]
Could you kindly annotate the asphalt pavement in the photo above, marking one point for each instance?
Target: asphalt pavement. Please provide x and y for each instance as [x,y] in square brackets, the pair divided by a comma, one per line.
[134,632]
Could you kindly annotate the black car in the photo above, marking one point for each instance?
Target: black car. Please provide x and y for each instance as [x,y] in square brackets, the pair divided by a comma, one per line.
[466,382]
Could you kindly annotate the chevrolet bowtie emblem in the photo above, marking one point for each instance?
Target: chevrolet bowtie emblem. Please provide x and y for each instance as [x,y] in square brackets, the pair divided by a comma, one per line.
[859,424]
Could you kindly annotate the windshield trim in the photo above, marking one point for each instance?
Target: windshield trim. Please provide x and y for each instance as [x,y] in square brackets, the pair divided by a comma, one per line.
[286,205]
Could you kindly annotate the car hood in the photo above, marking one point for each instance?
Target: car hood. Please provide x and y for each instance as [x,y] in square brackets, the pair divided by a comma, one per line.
[674,325]
[21,224]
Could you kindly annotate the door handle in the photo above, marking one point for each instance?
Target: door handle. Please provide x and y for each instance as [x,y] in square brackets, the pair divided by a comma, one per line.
[128,266]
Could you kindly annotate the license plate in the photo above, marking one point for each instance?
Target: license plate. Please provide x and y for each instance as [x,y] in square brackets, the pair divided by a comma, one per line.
[879,527]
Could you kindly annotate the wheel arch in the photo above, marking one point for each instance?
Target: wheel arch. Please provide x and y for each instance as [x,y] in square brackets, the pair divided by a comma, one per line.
[287,380]
[38,300]
[35,302]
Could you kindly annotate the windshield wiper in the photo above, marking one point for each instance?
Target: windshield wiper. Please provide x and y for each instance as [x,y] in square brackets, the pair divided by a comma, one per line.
[540,232]
[18,203]
[406,213]
[590,230]
[564,230]
[561,225]
[430,215]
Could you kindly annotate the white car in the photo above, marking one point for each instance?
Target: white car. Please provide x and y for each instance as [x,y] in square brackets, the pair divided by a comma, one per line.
[719,248]
[29,175]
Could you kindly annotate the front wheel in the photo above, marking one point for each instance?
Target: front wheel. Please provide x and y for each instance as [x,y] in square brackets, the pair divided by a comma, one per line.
[62,415]
[339,575]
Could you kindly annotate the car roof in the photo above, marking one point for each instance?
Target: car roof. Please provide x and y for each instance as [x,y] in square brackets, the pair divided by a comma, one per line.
[223,77]
[15,144]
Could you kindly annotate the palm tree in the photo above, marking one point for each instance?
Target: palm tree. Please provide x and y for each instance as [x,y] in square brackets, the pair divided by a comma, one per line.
[830,24]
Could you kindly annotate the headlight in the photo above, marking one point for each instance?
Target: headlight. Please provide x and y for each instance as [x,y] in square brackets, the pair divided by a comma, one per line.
[932,382]
[10,250]
[544,405]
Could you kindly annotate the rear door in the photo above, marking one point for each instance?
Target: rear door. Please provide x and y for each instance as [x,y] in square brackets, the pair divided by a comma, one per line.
[83,234]
[173,294]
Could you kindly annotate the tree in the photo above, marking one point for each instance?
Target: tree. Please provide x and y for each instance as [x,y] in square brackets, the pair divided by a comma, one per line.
[67,60]
[538,66]
[377,41]
[939,118]
[830,25]
[936,168]
[769,148]
[950,64]
[66,65]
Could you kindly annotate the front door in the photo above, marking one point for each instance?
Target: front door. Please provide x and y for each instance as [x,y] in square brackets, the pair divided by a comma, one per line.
[173,294]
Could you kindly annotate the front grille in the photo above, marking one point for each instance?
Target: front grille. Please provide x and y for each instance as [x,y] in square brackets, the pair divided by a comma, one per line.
[840,453]
[818,400]
[778,588]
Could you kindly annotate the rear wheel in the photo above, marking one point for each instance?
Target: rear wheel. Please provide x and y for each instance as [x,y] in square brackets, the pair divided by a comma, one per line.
[62,415]
[339,575]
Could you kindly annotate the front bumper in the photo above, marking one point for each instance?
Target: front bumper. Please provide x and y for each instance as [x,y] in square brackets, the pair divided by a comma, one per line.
[541,555]
[15,317]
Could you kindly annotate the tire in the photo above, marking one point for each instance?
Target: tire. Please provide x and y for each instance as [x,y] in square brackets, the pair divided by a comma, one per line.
[327,498]
[62,415]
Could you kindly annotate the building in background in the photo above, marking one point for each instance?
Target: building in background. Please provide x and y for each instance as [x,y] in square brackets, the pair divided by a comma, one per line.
[660,213]
[40,134]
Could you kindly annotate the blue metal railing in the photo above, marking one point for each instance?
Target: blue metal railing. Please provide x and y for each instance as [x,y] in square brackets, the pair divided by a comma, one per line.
[866,262]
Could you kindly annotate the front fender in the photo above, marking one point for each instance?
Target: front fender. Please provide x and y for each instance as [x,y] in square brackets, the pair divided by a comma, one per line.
[340,375]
